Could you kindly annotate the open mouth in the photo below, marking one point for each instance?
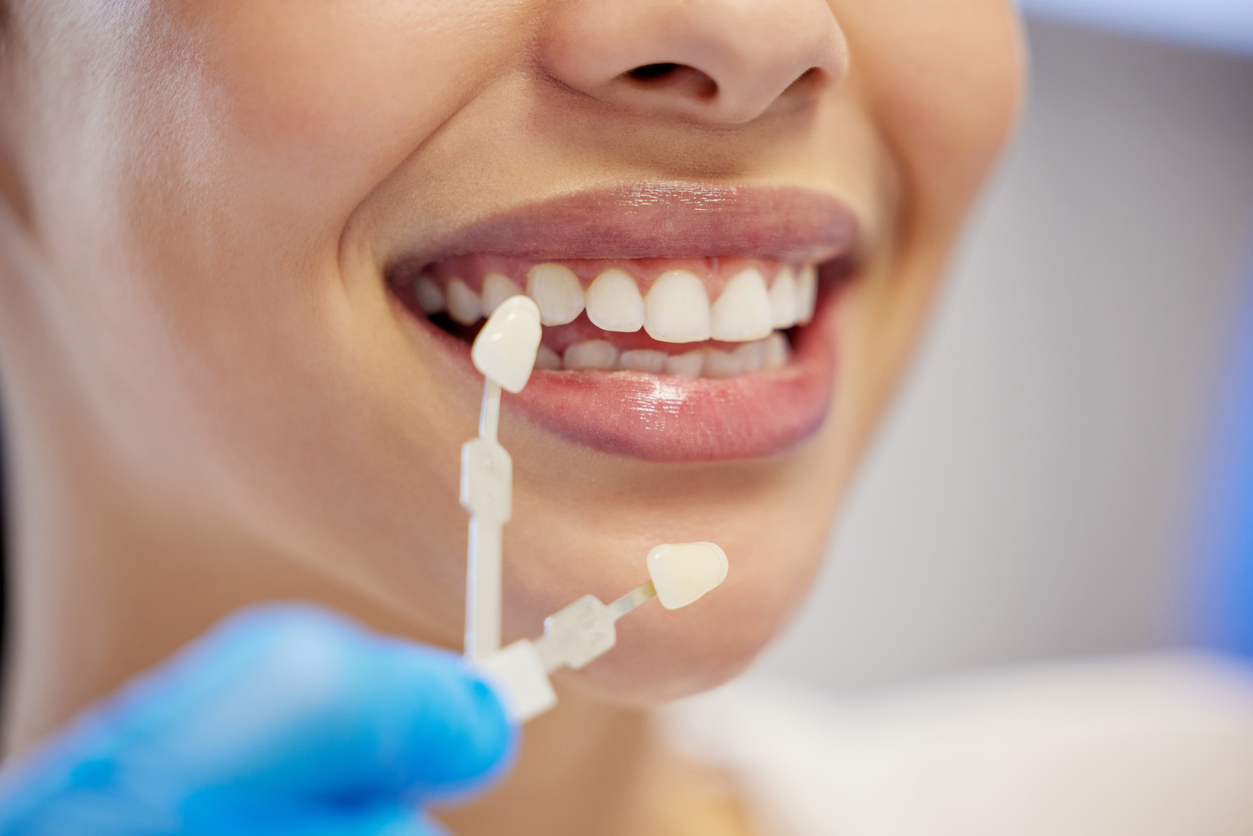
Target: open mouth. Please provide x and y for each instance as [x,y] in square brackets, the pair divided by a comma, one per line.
[668,356]
[653,316]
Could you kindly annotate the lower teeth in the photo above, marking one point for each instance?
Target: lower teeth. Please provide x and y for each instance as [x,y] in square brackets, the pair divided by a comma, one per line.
[761,355]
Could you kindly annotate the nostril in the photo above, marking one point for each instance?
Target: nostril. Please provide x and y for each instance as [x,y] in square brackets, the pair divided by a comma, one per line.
[674,78]
[811,78]
[648,72]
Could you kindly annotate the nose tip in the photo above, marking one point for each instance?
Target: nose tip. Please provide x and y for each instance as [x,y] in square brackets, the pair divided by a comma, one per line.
[714,61]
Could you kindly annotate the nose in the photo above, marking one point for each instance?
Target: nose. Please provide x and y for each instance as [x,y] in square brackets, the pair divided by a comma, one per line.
[723,62]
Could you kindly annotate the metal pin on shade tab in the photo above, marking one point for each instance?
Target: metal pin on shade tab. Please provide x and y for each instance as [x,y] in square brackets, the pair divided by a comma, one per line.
[504,352]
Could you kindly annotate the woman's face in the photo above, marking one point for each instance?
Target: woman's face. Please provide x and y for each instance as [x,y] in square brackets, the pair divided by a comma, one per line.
[239,208]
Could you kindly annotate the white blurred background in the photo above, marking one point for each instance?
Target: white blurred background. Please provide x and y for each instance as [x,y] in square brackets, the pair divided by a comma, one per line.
[1033,493]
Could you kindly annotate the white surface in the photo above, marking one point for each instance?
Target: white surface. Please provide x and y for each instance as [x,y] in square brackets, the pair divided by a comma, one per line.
[1149,746]
[1218,24]
[1030,494]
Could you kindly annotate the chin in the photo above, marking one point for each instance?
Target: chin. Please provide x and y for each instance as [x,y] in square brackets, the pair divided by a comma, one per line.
[663,654]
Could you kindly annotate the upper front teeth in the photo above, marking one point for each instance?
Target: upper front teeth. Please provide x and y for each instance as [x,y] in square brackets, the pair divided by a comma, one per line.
[556,290]
[675,310]
[464,305]
[614,302]
[743,310]
[496,289]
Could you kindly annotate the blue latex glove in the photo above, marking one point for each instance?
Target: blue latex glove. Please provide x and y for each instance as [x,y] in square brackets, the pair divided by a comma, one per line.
[281,721]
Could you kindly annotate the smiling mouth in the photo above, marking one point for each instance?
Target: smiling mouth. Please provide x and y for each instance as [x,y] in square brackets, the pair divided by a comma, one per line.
[681,323]
[651,316]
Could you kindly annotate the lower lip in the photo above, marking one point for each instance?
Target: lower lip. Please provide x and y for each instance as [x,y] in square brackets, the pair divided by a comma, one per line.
[674,419]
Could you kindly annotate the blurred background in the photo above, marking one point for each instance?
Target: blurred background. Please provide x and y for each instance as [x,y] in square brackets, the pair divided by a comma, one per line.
[1040,490]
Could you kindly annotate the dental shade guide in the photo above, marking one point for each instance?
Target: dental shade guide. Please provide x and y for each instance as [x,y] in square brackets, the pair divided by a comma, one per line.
[504,352]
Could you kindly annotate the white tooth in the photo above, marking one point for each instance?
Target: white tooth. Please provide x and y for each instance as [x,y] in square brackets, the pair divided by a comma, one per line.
[783,299]
[547,360]
[614,302]
[592,354]
[556,290]
[496,289]
[430,295]
[806,294]
[464,305]
[722,364]
[777,352]
[643,360]
[742,312]
[677,309]
[690,364]
[752,355]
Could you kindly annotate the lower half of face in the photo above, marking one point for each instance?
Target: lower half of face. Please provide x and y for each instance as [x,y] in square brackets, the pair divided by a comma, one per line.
[732,245]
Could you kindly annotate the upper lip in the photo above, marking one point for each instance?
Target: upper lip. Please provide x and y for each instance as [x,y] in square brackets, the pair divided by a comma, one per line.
[659,219]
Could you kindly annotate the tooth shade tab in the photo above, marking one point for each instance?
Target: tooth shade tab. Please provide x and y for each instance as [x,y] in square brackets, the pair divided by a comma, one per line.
[683,572]
[742,311]
[676,309]
[614,302]
[556,290]
[505,349]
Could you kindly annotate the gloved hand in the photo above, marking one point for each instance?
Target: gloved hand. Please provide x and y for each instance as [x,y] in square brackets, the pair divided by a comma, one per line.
[281,721]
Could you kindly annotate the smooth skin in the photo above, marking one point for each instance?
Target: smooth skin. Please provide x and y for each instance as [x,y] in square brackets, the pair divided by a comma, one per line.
[211,398]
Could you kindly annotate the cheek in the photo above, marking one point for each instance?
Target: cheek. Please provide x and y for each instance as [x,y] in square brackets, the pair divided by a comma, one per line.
[337,93]
[943,81]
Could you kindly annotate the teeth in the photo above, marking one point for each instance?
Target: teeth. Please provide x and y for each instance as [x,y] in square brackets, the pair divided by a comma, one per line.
[643,360]
[496,289]
[430,295]
[547,360]
[742,312]
[677,309]
[722,364]
[776,353]
[690,364]
[783,299]
[593,354]
[752,356]
[614,302]
[806,294]
[557,292]
[770,353]
[464,305]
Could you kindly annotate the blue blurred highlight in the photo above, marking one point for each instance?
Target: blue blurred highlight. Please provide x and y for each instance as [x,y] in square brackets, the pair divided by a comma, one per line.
[1225,605]
[1225,25]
